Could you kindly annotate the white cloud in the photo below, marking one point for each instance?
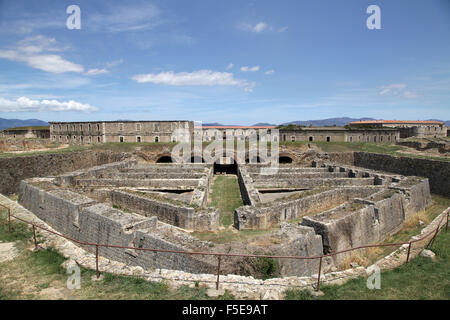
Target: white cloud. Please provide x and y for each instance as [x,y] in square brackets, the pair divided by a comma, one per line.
[195,78]
[259,27]
[393,88]
[114,63]
[230,66]
[269,72]
[398,89]
[252,69]
[125,18]
[29,51]
[38,44]
[24,104]
[95,71]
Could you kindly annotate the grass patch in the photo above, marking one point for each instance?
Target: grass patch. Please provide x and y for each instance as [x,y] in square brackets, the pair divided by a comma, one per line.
[20,231]
[226,196]
[27,154]
[420,279]
[231,235]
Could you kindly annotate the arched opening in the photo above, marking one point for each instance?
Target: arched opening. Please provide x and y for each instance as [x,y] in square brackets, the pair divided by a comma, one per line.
[229,167]
[285,159]
[164,159]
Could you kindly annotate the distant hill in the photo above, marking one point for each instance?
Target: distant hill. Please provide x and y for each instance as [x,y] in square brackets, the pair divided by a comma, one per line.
[212,124]
[447,123]
[340,122]
[261,124]
[10,123]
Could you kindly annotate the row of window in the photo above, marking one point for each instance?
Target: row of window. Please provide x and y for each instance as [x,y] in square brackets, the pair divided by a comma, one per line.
[74,138]
[156,127]
[309,138]
[360,138]
[72,126]
[350,139]
[121,139]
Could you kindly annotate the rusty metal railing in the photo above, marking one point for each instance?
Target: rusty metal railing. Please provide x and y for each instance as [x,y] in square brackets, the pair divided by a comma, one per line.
[220,255]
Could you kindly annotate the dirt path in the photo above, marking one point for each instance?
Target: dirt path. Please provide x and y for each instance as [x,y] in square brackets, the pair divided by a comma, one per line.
[8,251]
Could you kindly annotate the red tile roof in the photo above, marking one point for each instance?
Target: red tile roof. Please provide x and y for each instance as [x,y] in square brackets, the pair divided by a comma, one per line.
[238,127]
[396,121]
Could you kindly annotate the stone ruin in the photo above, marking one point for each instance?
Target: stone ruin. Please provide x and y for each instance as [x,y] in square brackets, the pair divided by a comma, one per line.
[299,211]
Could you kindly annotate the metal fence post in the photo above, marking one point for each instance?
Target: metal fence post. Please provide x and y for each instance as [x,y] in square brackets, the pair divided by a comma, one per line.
[218,272]
[9,220]
[318,278]
[409,250]
[434,237]
[34,237]
[446,225]
[96,262]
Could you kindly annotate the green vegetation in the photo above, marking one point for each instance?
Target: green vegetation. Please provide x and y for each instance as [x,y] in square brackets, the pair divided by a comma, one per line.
[26,154]
[21,231]
[420,279]
[28,128]
[231,235]
[226,196]
[267,267]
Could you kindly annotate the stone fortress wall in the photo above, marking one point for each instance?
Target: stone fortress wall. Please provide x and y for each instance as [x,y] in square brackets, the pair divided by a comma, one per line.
[345,216]
[381,198]
[15,169]
[156,213]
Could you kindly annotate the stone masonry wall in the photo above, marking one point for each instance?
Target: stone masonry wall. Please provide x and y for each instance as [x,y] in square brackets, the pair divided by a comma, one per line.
[341,229]
[82,219]
[247,217]
[15,169]
[438,172]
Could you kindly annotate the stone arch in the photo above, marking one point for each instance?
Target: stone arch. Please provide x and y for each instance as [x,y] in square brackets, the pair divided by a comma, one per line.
[286,157]
[164,158]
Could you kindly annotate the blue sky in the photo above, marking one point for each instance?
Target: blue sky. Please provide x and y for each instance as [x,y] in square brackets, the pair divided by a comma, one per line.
[234,61]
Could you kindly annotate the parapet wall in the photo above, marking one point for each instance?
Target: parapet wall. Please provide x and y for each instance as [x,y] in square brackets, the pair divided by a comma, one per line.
[82,219]
[179,216]
[438,172]
[343,229]
[257,218]
[15,169]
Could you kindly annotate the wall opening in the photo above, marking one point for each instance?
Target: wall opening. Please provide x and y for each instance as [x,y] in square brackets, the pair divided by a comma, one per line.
[164,159]
[285,159]
[225,168]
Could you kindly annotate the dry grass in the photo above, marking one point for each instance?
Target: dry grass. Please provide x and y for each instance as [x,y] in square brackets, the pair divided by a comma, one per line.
[413,221]
[363,257]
